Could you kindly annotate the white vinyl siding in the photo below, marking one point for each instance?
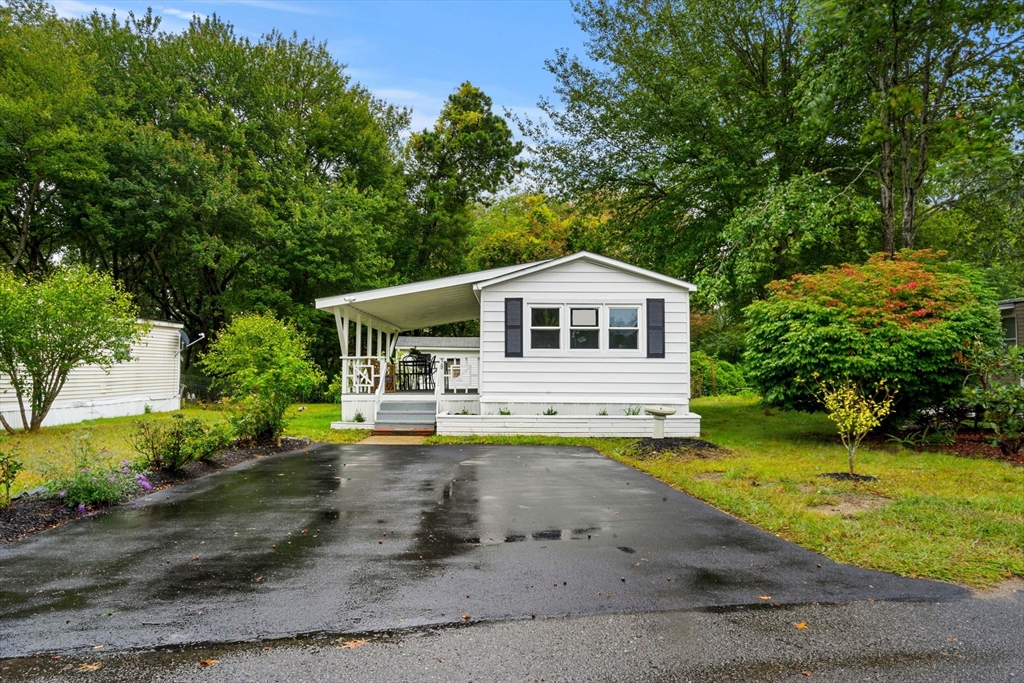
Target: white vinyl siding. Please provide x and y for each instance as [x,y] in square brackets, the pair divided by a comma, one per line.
[150,378]
[567,375]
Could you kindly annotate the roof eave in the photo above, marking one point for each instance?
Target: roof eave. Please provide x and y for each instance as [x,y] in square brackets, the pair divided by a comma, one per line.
[594,258]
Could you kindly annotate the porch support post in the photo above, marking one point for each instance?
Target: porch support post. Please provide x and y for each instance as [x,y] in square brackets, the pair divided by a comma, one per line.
[343,334]
[359,334]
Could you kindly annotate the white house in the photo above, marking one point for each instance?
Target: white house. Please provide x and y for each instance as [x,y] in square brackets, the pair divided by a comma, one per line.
[572,346]
[151,378]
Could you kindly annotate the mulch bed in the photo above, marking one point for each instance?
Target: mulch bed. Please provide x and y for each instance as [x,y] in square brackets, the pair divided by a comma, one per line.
[651,448]
[974,443]
[846,476]
[31,514]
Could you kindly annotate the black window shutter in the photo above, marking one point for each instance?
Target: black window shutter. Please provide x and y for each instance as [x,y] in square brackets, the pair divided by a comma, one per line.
[513,328]
[655,328]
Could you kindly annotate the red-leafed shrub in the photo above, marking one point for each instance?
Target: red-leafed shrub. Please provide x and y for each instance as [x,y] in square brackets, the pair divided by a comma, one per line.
[906,320]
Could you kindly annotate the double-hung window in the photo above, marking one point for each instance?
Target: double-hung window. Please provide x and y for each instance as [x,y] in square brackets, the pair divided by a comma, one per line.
[1010,330]
[624,328]
[584,328]
[545,327]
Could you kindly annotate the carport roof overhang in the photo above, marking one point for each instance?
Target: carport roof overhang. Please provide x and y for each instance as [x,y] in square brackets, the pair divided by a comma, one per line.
[418,304]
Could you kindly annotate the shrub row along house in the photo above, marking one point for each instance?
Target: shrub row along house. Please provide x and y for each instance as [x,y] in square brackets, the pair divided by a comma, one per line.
[570,346]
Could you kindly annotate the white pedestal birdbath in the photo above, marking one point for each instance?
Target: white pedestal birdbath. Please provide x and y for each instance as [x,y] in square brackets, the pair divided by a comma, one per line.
[659,413]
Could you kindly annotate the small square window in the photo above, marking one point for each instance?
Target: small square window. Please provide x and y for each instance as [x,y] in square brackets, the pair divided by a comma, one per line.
[545,328]
[584,332]
[623,328]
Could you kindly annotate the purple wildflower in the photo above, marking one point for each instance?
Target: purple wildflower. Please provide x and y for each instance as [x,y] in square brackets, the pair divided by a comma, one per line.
[85,470]
[63,493]
[126,463]
[124,470]
[111,479]
[81,508]
[144,483]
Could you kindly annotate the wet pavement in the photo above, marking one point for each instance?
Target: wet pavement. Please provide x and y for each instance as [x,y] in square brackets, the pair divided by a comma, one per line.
[361,538]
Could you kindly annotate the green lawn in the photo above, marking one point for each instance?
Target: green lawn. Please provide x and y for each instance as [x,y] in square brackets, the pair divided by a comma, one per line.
[928,515]
[49,450]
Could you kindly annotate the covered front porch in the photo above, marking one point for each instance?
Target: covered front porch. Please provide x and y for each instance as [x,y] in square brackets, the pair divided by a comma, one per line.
[382,368]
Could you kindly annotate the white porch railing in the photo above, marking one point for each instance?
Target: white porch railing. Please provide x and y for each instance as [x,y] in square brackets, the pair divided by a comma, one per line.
[362,374]
[461,373]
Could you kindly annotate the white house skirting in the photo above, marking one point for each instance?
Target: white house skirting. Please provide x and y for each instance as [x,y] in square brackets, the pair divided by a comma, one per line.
[558,425]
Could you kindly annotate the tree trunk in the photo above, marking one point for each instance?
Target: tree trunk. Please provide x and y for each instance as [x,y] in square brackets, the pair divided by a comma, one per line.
[887,202]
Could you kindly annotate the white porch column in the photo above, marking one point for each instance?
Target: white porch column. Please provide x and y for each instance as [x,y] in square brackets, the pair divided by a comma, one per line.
[359,334]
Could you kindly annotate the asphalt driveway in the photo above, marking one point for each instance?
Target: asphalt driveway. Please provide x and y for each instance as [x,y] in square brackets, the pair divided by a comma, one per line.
[342,539]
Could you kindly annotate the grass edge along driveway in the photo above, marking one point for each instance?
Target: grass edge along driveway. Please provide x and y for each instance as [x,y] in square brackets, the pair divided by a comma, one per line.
[929,515]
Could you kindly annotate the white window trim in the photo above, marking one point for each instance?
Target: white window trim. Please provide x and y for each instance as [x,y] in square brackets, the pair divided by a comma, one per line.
[561,330]
[640,328]
[565,311]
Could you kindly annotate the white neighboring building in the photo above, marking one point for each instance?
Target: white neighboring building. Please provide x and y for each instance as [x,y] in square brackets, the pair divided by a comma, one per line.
[151,378]
[571,346]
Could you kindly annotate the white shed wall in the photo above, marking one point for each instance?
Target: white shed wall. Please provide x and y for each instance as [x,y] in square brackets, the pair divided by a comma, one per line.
[151,378]
[569,376]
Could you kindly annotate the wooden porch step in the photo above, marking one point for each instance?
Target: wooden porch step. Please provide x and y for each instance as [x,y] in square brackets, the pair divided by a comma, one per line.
[403,430]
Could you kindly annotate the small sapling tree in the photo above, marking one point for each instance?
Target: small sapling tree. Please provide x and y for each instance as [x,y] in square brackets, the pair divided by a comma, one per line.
[52,325]
[9,469]
[854,411]
[262,364]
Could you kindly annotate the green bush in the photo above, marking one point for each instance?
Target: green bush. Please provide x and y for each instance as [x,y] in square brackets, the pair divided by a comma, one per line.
[92,482]
[263,365]
[907,320]
[712,377]
[997,390]
[182,441]
[9,469]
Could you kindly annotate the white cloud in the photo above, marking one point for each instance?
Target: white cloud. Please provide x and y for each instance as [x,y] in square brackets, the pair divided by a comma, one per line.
[181,14]
[73,8]
[276,5]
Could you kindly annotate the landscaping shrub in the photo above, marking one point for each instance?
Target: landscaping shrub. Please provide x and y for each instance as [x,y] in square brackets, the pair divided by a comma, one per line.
[997,393]
[92,482]
[263,365]
[9,469]
[178,443]
[904,320]
[710,376]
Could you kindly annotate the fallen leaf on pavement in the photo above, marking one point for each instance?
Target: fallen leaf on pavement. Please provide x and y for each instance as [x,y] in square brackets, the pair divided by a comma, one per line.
[801,625]
[90,667]
[764,597]
[806,673]
[98,647]
[351,644]
[208,662]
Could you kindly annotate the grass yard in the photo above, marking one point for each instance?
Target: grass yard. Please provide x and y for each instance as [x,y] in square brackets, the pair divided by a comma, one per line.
[929,514]
[50,449]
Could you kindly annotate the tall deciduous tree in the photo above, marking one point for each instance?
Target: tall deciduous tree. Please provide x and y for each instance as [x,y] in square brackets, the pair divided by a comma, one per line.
[48,132]
[935,87]
[469,154]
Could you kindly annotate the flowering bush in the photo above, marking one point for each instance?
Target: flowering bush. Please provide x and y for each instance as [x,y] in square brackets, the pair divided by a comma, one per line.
[92,482]
[903,319]
[854,412]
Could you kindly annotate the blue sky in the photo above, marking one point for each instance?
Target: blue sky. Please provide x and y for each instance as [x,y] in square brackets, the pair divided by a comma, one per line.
[410,53]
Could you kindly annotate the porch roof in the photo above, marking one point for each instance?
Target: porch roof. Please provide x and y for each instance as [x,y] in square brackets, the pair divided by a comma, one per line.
[418,304]
[456,298]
